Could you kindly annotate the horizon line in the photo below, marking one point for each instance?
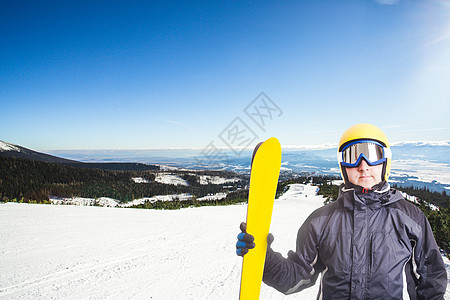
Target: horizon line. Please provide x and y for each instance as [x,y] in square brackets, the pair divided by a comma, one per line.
[286,147]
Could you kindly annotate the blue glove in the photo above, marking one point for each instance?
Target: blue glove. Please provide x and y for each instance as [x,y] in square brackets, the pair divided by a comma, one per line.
[245,241]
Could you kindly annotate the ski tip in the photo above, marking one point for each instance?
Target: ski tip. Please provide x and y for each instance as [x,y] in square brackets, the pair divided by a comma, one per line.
[273,140]
[268,141]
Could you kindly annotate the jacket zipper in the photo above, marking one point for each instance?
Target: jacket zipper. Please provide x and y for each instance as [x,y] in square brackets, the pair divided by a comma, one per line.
[369,259]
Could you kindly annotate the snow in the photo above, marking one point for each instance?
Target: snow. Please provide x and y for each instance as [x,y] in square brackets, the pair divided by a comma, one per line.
[216,196]
[4,146]
[102,201]
[425,171]
[180,197]
[74,201]
[170,179]
[206,179]
[140,180]
[168,168]
[337,182]
[61,251]
[414,199]
[109,202]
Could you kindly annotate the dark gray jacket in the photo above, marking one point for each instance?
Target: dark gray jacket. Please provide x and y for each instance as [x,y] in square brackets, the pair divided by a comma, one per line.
[366,246]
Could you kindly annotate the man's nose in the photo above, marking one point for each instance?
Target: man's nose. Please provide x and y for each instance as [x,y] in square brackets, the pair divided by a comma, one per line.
[363,165]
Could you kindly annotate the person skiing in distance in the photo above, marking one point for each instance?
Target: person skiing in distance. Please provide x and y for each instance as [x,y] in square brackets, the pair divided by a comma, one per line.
[368,244]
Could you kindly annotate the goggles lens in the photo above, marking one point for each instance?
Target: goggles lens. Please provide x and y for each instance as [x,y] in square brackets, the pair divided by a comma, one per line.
[373,152]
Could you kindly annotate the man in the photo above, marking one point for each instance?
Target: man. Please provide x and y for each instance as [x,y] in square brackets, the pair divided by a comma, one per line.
[368,244]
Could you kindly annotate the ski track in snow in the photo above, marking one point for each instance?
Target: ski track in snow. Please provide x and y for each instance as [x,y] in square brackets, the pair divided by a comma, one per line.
[51,251]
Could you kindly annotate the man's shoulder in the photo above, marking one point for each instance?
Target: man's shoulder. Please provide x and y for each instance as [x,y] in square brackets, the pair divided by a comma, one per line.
[407,207]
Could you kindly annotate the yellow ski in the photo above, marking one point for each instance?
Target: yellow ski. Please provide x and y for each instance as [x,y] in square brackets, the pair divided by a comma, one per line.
[264,175]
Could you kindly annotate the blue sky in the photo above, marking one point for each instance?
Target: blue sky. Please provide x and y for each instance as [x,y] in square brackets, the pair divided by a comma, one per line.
[156,74]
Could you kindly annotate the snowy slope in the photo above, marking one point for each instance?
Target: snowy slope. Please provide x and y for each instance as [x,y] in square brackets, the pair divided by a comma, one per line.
[206,179]
[4,146]
[170,179]
[54,251]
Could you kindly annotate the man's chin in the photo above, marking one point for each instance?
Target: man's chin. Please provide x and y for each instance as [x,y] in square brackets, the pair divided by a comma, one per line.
[366,183]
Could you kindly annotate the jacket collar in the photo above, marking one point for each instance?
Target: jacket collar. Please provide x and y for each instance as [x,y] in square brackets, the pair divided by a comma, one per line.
[357,197]
[379,188]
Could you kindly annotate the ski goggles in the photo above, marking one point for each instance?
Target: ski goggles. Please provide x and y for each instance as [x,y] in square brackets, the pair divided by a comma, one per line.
[373,152]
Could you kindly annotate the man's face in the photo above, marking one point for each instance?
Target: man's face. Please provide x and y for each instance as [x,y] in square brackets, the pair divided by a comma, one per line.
[365,175]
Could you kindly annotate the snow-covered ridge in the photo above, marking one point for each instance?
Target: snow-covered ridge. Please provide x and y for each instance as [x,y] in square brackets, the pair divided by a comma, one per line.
[422,143]
[4,146]
[109,202]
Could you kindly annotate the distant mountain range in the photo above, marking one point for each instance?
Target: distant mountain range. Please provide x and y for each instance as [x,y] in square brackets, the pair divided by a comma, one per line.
[420,164]
[423,143]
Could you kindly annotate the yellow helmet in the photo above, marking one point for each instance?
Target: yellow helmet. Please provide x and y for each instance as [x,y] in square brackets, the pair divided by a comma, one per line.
[366,132]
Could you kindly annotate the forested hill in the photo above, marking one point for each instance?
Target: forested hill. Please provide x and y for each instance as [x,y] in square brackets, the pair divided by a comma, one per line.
[32,180]
[11,150]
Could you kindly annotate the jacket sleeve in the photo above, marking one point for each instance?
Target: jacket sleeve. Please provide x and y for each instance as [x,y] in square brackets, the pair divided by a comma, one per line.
[300,269]
[428,265]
